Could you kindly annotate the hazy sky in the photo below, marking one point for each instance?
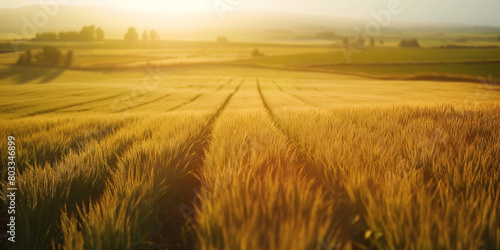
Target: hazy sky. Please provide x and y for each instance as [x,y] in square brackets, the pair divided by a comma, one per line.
[478,12]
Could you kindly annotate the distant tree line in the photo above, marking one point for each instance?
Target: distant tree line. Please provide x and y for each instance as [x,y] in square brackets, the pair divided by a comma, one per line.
[132,35]
[359,41]
[49,56]
[87,33]
[326,35]
[409,43]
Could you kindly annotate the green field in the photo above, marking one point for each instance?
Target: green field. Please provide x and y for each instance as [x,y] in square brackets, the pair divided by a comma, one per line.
[384,62]
[397,63]
[385,55]
[474,72]
[114,53]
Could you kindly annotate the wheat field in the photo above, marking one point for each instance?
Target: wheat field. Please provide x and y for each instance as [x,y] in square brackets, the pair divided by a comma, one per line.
[253,159]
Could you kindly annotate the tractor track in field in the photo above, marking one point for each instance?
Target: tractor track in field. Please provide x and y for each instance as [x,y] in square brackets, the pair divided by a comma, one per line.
[276,84]
[5,107]
[196,149]
[24,93]
[200,84]
[226,102]
[302,99]
[294,96]
[180,105]
[15,108]
[208,80]
[185,103]
[311,171]
[144,103]
[70,106]
[223,85]
[302,156]
[195,98]
[101,134]
[100,181]
[308,86]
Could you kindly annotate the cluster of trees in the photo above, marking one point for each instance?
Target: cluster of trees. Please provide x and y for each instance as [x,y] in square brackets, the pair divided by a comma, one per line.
[46,36]
[152,35]
[132,35]
[222,39]
[25,58]
[49,56]
[87,33]
[359,41]
[409,43]
[256,53]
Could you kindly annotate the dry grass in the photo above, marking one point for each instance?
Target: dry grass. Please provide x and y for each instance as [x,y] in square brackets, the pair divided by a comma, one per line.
[417,177]
[146,182]
[266,164]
